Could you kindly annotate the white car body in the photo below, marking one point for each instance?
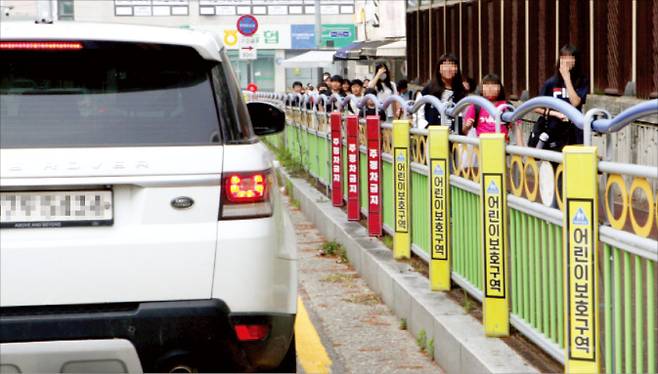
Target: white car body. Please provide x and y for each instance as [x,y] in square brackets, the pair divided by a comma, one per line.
[152,252]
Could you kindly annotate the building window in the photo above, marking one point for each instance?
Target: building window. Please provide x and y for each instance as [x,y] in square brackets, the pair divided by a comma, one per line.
[65,9]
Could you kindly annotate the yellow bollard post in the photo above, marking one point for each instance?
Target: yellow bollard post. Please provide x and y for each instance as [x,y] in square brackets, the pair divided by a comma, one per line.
[493,202]
[580,243]
[402,237]
[439,191]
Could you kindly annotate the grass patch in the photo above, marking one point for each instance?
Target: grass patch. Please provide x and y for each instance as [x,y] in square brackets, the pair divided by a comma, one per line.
[468,304]
[338,278]
[424,344]
[421,340]
[403,324]
[430,348]
[291,197]
[293,167]
[335,249]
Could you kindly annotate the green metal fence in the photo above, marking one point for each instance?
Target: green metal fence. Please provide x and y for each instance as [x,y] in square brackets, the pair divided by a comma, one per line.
[627,261]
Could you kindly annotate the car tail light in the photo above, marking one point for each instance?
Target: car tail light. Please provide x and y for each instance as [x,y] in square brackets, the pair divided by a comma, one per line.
[250,333]
[41,46]
[246,195]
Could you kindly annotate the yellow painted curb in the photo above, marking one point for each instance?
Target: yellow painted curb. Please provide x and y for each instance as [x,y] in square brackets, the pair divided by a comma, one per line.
[310,352]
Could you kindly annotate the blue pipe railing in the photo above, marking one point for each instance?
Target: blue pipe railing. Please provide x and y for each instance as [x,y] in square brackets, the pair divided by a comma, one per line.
[587,122]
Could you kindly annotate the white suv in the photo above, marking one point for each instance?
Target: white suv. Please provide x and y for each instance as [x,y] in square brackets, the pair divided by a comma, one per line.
[141,223]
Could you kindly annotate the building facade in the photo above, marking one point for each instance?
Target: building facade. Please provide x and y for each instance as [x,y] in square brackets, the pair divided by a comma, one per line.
[519,40]
[285,27]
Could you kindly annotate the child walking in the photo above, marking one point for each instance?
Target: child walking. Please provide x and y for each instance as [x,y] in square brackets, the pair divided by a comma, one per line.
[483,122]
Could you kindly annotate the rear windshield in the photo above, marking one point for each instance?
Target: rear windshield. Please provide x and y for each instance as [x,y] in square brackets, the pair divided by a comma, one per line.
[107,94]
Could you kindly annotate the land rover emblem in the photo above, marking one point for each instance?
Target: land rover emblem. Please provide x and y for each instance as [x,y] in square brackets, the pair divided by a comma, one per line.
[182,202]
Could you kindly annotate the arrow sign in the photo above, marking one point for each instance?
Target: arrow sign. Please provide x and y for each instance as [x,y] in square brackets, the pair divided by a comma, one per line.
[248,52]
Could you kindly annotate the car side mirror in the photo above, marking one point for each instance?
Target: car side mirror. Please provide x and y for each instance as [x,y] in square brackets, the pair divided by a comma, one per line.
[266,118]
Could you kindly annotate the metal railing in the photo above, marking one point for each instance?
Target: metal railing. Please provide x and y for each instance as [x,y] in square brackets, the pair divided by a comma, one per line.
[536,231]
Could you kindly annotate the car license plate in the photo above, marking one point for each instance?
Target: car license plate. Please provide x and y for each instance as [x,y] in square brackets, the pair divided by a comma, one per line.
[56,209]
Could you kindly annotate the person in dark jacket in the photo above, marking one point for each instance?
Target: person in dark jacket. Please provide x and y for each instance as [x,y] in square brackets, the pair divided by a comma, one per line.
[446,86]
[569,84]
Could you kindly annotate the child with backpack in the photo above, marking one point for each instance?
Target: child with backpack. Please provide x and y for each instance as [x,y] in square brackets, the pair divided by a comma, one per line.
[483,122]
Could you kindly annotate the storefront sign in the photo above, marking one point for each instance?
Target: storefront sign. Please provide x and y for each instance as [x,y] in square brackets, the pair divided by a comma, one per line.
[268,36]
[302,36]
[338,35]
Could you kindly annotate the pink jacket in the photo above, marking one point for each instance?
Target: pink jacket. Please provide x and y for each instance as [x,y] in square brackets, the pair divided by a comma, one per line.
[487,123]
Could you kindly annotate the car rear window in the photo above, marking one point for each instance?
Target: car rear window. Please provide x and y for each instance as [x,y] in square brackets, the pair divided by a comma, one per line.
[107,94]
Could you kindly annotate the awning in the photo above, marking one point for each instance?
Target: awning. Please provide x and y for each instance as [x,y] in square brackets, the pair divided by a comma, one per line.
[351,52]
[362,50]
[395,49]
[370,48]
[311,59]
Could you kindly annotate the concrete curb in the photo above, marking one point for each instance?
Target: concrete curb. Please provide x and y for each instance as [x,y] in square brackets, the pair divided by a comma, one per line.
[460,345]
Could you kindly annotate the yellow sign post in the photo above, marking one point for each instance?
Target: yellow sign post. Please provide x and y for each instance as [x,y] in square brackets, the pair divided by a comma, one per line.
[493,202]
[439,191]
[580,243]
[402,237]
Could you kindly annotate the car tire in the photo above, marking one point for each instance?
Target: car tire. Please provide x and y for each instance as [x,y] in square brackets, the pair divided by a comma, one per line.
[289,362]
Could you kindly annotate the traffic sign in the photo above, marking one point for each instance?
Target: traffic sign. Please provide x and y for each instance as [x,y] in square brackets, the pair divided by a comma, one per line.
[247,25]
[248,52]
[252,87]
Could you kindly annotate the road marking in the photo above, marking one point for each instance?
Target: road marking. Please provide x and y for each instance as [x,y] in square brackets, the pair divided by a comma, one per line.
[310,351]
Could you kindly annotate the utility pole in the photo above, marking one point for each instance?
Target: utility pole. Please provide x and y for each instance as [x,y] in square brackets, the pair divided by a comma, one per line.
[318,25]
[318,33]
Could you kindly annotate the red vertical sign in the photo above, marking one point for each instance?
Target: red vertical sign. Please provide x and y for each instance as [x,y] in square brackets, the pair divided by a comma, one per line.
[336,161]
[374,176]
[353,208]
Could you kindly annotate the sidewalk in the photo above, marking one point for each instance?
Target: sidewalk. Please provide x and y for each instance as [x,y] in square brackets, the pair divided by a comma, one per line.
[358,331]
[460,345]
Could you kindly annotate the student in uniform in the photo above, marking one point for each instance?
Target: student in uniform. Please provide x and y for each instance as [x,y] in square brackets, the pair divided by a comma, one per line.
[297,88]
[323,89]
[357,91]
[569,84]
[335,87]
